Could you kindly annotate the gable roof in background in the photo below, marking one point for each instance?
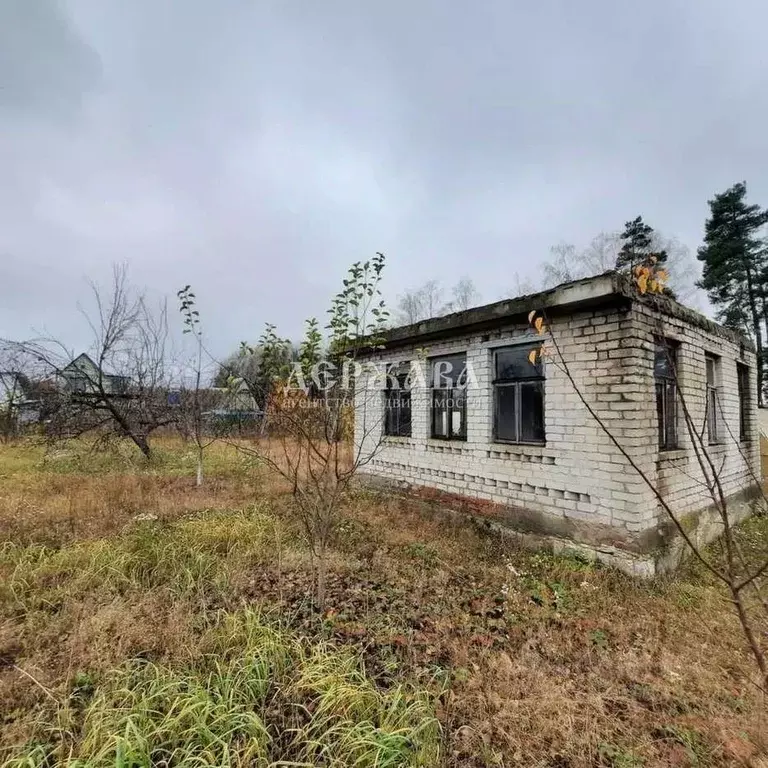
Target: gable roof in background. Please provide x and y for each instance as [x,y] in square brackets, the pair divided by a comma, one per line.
[73,364]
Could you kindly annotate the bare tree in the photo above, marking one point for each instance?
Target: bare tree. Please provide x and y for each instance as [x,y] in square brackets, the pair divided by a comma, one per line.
[521,286]
[421,304]
[568,263]
[684,270]
[432,298]
[564,265]
[465,295]
[409,308]
[427,301]
[121,387]
[600,255]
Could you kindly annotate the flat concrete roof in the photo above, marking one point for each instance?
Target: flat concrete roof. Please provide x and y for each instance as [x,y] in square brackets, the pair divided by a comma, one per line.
[607,289]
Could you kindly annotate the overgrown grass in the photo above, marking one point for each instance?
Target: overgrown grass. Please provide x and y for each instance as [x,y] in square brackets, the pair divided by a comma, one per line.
[144,621]
[55,496]
[259,697]
[188,558]
[170,457]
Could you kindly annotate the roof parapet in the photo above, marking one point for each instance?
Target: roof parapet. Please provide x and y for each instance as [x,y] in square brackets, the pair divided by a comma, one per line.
[606,289]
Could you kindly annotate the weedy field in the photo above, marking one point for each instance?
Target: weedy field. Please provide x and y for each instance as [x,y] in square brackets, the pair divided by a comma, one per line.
[146,622]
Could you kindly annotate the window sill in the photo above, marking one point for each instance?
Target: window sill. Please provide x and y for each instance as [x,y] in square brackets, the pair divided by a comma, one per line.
[671,455]
[398,439]
[503,445]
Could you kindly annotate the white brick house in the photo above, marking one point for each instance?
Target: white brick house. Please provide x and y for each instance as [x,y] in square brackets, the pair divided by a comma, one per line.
[512,441]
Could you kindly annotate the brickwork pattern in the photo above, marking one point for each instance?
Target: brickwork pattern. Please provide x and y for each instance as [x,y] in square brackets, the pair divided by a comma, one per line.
[579,473]
[678,473]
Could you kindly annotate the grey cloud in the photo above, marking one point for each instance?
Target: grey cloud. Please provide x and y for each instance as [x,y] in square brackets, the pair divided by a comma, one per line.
[256,149]
[44,65]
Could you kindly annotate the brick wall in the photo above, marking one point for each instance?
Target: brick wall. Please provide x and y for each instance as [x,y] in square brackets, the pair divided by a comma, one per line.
[579,476]
[678,473]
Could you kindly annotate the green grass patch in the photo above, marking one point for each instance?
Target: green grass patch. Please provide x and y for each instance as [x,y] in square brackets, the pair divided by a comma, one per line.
[186,558]
[259,696]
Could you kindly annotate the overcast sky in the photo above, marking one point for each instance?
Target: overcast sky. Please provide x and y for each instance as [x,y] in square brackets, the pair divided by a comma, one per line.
[255,149]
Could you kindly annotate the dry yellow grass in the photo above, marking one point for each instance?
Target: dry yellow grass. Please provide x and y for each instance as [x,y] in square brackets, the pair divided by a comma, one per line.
[529,660]
[71,493]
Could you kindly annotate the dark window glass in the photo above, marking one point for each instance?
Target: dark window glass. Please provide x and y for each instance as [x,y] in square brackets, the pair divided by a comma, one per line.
[532,411]
[711,364]
[449,409]
[660,411]
[713,405]
[449,372]
[506,412]
[664,368]
[665,358]
[397,405]
[518,396]
[513,363]
[742,372]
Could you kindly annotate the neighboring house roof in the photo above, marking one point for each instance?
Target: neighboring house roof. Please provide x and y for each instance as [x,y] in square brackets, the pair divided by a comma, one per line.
[81,358]
[238,399]
[80,365]
[607,289]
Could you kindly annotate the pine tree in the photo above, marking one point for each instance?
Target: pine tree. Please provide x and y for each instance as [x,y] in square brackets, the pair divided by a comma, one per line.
[637,246]
[734,272]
